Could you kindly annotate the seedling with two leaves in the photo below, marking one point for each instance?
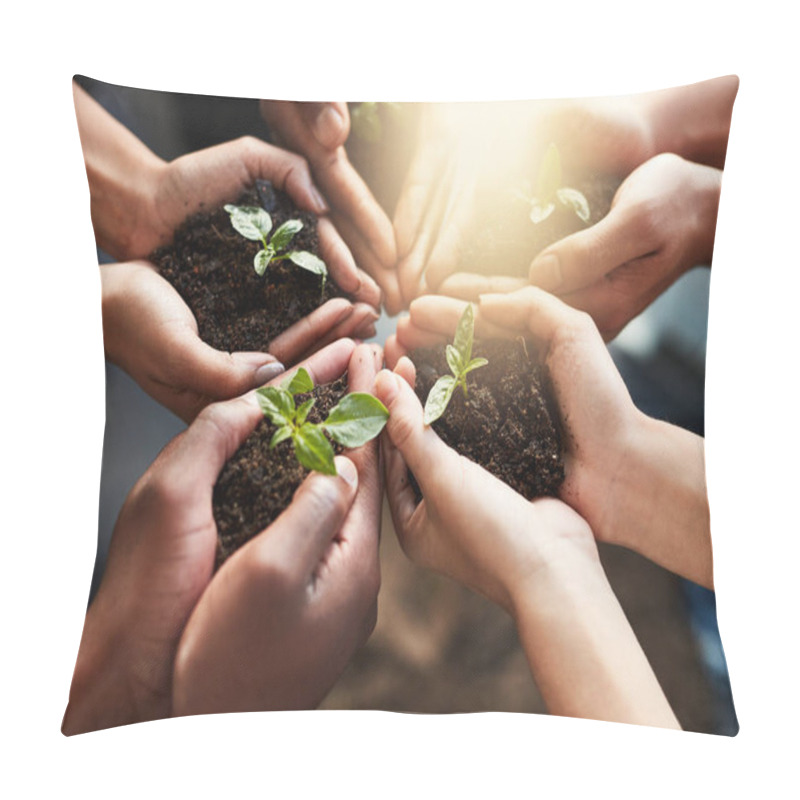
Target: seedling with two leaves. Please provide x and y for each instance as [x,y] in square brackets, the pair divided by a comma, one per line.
[461,363]
[550,193]
[255,223]
[355,420]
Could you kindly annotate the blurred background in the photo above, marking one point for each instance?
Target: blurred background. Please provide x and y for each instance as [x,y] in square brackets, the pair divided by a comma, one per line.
[437,647]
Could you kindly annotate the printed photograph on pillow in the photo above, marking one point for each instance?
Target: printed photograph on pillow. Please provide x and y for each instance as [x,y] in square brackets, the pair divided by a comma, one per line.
[404,407]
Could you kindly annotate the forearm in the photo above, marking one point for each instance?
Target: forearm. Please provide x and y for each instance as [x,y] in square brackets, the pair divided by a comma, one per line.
[122,175]
[660,501]
[582,652]
[693,121]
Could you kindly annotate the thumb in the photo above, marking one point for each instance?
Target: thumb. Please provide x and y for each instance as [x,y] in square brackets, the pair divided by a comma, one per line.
[329,123]
[425,454]
[217,374]
[583,258]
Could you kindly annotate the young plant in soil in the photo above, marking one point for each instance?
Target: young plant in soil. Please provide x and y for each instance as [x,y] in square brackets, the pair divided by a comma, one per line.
[254,223]
[355,420]
[506,422]
[461,363]
[211,265]
[550,192]
[260,479]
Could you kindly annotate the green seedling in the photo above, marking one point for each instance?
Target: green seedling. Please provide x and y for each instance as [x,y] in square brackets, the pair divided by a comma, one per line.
[356,419]
[461,363]
[550,192]
[365,120]
[255,223]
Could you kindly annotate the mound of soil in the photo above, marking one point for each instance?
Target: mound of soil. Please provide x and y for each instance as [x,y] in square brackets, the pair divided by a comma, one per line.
[508,421]
[504,241]
[257,483]
[211,267]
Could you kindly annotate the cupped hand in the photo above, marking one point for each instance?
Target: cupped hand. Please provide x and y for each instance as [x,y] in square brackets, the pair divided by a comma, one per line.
[317,131]
[469,525]
[150,332]
[219,174]
[661,223]
[596,433]
[638,482]
[284,614]
[162,552]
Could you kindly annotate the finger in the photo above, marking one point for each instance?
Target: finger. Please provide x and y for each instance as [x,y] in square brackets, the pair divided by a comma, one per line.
[327,364]
[287,171]
[585,257]
[196,457]
[342,265]
[412,267]
[410,337]
[457,225]
[422,450]
[297,340]
[418,190]
[440,315]
[352,198]
[399,491]
[534,310]
[212,373]
[469,286]
[329,123]
[302,533]
[368,261]
[359,324]
[393,351]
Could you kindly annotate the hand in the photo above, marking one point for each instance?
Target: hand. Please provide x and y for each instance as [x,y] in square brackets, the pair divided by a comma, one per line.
[162,555]
[661,223]
[150,332]
[317,131]
[537,559]
[138,200]
[638,482]
[470,525]
[285,613]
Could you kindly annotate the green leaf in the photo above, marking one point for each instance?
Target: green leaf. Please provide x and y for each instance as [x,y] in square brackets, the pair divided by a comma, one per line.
[464,331]
[541,211]
[356,419]
[313,450]
[308,261]
[280,435]
[276,404]
[262,260]
[549,175]
[285,233]
[453,359]
[438,398]
[302,412]
[298,383]
[575,200]
[474,364]
[251,222]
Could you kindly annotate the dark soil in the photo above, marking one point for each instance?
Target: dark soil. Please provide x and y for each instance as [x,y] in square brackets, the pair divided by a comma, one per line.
[211,267]
[257,483]
[508,423]
[505,241]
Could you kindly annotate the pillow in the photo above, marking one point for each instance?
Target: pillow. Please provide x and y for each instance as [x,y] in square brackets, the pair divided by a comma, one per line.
[531,197]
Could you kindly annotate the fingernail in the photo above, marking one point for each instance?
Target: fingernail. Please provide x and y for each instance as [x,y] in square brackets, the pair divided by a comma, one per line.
[267,372]
[327,127]
[386,386]
[545,272]
[319,201]
[346,470]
